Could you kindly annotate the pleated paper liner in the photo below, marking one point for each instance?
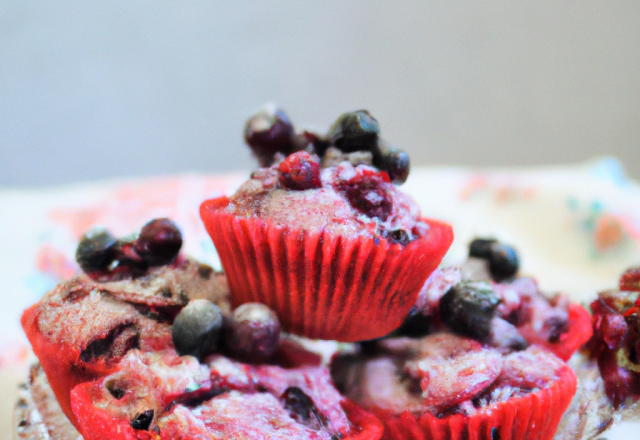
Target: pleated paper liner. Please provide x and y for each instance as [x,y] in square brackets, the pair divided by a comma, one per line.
[321,285]
[578,333]
[532,417]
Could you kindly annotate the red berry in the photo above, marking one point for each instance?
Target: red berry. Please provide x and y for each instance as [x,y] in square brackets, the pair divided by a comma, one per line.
[367,194]
[269,132]
[300,171]
[630,280]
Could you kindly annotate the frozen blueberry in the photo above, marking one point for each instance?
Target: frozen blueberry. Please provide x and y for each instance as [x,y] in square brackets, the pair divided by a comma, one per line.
[395,162]
[252,332]
[159,242]
[196,329]
[481,248]
[269,132]
[468,309]
[355,131]
[415,325]
[96,250]
[503,262]
[502,259]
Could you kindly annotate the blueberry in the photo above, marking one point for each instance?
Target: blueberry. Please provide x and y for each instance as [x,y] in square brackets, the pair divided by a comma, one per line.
[252,332]
[196,329]
[481,248]
[355,131]
[159,242]
[96,250]
[269,132]
[502,259]
[468,309]
[395,162]
[503,262]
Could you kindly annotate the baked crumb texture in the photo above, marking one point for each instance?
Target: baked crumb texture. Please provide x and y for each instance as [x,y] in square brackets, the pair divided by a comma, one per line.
[106,348]
[443,386]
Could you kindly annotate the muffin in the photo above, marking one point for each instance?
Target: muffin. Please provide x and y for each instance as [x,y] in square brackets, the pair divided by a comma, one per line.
[146,346]
[477,357]
[323,236]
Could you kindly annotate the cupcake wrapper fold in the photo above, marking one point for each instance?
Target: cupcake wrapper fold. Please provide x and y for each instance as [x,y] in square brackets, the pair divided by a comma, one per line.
[532,417]
[323,285]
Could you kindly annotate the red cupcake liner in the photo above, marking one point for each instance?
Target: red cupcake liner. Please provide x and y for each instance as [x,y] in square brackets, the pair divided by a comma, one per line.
[532,417]
[323,285]
[579,332]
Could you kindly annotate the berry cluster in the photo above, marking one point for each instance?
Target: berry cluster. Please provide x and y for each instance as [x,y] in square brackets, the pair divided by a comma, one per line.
[250,334]
[101,255]
[616,338]
[270,133]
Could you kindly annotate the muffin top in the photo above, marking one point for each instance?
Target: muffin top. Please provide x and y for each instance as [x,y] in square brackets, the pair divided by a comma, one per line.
[344,182]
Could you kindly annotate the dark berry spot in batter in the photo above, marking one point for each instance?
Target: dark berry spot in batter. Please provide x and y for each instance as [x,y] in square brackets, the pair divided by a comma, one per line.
[142,421]
[298,404]
[367,194]
[205,271]
[399,236]
[115,390]
[112,347]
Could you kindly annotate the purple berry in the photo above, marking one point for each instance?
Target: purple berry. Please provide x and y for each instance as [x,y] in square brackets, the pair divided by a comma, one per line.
[252,332]
[269,132]
[159,242]
[367,194]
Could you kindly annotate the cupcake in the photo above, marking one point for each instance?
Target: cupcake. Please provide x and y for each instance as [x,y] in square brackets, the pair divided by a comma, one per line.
[447,387]
[322,234]
[488,300]
[144,345]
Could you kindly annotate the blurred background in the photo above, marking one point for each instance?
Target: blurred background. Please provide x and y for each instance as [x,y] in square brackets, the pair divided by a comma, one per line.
[94,90]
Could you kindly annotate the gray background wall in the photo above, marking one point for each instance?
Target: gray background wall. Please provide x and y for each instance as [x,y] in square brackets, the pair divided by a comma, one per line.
[91,90]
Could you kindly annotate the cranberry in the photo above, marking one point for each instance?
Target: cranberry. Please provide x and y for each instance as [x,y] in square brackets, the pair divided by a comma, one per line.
[196,329]
[396,163]
[159,242]
[613,329]
[618,381]
[630,280]
[366,193]
[252,332]
[355,131]
[269,132]
[96,250]
[300,171]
